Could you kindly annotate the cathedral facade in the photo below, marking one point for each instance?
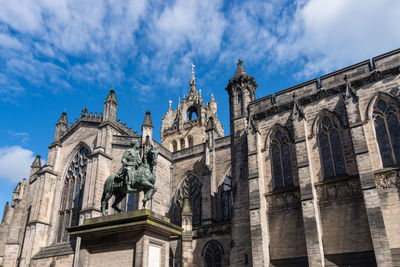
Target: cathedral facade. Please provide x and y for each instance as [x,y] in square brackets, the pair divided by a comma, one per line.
[308,176]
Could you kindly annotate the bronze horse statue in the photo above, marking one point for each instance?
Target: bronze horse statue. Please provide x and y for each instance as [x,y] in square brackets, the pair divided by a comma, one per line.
[143,180]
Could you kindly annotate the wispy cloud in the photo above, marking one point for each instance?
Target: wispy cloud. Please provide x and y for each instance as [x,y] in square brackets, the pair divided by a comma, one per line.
[51,44]
[15,163]
[21,136]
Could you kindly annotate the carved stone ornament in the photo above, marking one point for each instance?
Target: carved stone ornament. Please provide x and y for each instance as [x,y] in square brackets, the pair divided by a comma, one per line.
[283,200]
[388,180]
[339,190]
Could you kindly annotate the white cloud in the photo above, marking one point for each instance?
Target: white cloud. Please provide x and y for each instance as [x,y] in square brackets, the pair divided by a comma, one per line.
[333,34]
[15,163]
[50,43]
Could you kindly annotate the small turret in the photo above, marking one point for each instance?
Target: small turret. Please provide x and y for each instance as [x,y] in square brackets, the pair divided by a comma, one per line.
[36,165]
[212,105]
[110,107]
[61,126]
[242,90]
[147,128]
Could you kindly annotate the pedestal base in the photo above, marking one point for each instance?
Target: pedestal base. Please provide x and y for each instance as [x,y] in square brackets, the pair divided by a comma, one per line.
[136,238]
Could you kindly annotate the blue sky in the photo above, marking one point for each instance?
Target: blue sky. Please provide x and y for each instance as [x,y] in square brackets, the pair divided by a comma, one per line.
[66,55]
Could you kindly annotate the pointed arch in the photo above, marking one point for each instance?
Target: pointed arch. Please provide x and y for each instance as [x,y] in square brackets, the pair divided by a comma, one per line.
[281,154]
[384,111]
[328,129]
[212,254]
[189,187]
[323,113]
[73,190]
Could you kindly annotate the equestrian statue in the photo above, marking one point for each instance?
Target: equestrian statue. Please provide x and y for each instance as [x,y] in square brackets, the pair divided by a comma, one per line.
[136,175]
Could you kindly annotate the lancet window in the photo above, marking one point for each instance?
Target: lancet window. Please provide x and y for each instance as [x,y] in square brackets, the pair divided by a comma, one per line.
[281,160]
[72,196]
[330,146]
[182,143]
[174,146]
[226,197]
[387,128]
[190,141]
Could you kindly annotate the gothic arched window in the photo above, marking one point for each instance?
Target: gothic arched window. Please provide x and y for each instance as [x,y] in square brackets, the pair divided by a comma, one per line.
[174,146]
[190,141]
[387,127]
[182,143]
[281,160]
[189,188]
[330,146]
[213,255]
[72,196]
[226,197]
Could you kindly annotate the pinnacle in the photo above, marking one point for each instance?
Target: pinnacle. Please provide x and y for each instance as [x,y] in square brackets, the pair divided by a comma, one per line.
[240,71]
[111,97]
[37,162]
[147,120]
[63,118]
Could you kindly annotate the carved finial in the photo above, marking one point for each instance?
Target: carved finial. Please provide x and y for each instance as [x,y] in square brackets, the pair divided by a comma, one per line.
[240,71]
[297,111]
[192,82]
[212,98]
[170,105]
[349,90]
[84,112]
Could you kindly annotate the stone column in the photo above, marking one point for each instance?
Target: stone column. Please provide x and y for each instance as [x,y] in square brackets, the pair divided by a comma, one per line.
[187,249]
[309,205]
[258,206]
[368,185]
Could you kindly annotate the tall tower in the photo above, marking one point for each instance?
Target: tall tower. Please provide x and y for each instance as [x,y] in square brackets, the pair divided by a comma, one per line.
[241,89]
[110,107]
[186,126]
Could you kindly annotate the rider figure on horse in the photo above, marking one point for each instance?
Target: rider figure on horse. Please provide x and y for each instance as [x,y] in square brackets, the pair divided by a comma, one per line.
[131,162]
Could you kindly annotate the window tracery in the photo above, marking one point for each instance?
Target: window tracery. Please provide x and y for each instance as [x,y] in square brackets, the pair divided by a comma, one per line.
[213,255]
[281,160]
[330,146]
[72,196]
[387,129]
[190,188]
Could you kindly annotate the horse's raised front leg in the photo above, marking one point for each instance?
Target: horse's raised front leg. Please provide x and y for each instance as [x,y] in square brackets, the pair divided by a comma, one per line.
[148,192]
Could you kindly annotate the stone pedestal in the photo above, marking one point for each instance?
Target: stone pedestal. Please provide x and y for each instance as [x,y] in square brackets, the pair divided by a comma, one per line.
[138,238]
